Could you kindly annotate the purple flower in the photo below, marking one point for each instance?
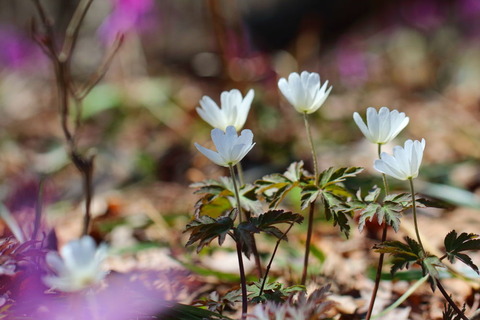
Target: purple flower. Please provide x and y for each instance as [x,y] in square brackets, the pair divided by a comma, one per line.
[16,49]
[126,16]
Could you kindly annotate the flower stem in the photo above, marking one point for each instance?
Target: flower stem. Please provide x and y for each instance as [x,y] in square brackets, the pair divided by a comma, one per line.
[258,262]
[243,281]
[237,194]
[312,147]
[450,301]
[307,243]
[312,205]
[271,259]
[378,274]
[240,174]
[414,207]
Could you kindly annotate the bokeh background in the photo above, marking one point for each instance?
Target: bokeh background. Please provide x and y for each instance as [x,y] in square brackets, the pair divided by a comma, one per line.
[421,57]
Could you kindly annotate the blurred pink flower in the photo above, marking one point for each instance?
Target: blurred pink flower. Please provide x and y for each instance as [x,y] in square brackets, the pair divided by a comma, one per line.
[16,49]
[126,16]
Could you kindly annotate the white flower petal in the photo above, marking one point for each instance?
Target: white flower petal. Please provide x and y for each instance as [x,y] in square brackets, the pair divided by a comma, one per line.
[404,163]
[383,126]
[303,91]
[211,155]
[77,267]
[361,125]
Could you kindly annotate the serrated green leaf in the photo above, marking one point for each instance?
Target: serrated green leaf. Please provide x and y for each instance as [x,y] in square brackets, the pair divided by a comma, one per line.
[390,212]
[204,229]
[244,235]
[266,221]
[465,241]
[309,195]
[429,265]
[404,254]
[373,194]
[213,190]
[368,213]
[338,210]
[332,175]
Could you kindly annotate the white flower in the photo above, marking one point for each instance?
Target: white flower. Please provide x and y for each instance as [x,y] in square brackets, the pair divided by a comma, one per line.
[405,162]
[233,112]
[304,92]
[78,266]
[383,127]
[231,148]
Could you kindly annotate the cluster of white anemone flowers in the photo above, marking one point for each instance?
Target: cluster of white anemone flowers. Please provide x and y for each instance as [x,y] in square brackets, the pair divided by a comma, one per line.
[304,91]
[306,94]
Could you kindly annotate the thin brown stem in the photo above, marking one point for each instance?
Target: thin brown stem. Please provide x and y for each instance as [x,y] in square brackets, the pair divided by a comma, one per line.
[450,301]
[258,262]
[73,29]
[378,274]
[312,205]
[102,69]
[271,259]
[38,211]
[243,280]
[307,243]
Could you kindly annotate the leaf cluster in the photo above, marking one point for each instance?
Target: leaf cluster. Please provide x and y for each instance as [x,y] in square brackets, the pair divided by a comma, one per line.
[218,197]
[404,255]
[204,229]
[272,291]
[275,187]
[389,210]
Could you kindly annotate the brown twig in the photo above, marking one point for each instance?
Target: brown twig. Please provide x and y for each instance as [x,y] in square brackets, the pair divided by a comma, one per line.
[66,88]
[73,28]
[102,69]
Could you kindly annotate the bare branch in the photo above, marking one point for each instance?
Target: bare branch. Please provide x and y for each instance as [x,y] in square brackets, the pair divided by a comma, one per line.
[73,28]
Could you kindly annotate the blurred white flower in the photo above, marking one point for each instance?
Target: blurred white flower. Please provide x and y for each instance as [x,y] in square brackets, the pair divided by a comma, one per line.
[233,112]
[405,162]
[383,127]
[304,92]
[77,267]
[231,148]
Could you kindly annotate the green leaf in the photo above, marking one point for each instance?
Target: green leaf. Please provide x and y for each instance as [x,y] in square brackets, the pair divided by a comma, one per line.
[214,191]
[275,187]
[272,291]
[429,265]
[309,195]
[455,244]
[244,234]
[373,194]
[204,229]
[266,221]
[389,212]
[333,176]
[404,254]
[338,210]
